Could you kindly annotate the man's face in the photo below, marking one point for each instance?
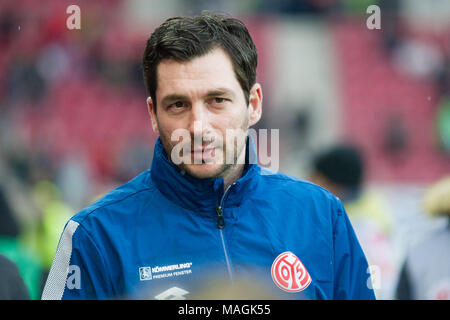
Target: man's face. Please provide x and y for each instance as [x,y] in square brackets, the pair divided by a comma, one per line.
[199,102]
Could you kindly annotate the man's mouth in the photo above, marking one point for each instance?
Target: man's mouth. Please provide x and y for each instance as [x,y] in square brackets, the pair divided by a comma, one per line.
[205,153]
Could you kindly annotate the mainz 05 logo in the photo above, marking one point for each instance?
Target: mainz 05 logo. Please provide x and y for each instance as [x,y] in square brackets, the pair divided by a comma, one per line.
[289,273]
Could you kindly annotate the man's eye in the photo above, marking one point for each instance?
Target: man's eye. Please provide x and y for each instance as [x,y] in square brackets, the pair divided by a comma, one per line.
[177,105]
[219,100]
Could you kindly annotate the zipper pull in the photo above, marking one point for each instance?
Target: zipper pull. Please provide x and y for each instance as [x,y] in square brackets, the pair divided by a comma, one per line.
[220,218]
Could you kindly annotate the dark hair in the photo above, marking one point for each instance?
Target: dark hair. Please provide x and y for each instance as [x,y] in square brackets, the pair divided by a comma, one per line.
[185,38]
[342,164]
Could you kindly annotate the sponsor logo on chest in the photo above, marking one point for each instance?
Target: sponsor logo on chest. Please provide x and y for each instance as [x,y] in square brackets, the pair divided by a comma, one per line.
[167,271]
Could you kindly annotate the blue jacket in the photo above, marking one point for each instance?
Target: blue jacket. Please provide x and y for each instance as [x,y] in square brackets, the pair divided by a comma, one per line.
[162,234]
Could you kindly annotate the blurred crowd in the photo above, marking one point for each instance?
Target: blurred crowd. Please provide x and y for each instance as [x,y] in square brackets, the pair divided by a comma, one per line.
[71,122]
[73,125]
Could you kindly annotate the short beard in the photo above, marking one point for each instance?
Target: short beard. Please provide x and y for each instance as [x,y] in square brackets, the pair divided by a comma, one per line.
[224,169]
[220,172]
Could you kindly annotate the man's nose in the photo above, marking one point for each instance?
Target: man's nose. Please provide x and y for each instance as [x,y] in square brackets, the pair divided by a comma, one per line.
[199,120]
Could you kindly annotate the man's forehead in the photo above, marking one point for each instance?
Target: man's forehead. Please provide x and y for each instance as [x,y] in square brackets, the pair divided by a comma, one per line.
[208,72]
[212,56]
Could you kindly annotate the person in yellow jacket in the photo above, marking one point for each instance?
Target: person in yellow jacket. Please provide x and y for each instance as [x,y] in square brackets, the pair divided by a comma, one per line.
[43,236]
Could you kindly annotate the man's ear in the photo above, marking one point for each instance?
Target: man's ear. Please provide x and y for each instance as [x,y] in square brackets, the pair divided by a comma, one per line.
[152,112]
[255,104]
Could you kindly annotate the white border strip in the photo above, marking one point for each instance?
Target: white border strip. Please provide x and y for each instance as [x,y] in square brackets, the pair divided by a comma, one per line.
[56,281]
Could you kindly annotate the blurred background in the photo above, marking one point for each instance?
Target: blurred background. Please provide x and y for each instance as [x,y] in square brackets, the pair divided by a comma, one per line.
[365,113]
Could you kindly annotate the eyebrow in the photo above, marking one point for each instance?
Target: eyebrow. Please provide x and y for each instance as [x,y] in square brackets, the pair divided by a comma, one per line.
[212,93]
[220,92]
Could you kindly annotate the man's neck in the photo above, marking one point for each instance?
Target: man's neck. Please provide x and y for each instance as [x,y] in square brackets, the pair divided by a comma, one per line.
[234,175]
[236,171]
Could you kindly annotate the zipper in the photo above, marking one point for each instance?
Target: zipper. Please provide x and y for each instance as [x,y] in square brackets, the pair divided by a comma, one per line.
[230,274]
[220,218]
[219,209]
[221,225]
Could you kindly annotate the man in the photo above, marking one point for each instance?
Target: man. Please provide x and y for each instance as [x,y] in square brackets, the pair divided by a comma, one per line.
[206,210]
[425,271]
[341,170]
[13,287]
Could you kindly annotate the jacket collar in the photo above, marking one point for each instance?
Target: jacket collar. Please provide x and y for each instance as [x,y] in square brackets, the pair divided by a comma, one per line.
[201,195]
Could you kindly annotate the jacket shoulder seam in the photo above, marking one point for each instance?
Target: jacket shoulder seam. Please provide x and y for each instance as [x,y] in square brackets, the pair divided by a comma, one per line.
[111,203]
[296,180]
